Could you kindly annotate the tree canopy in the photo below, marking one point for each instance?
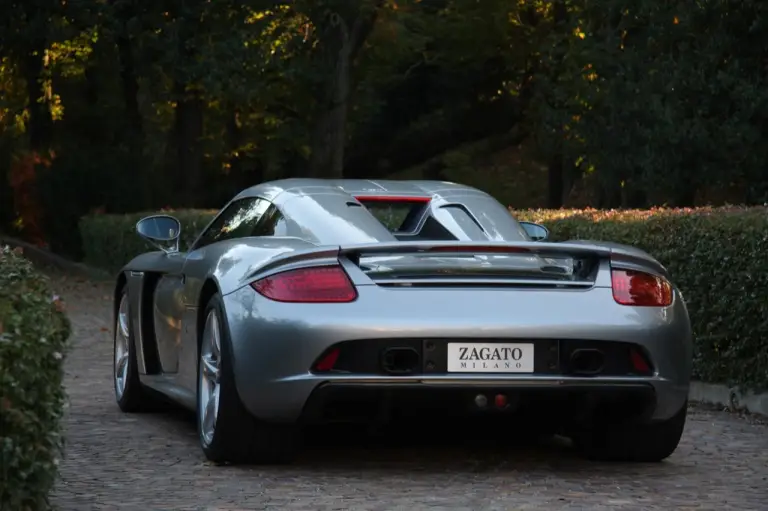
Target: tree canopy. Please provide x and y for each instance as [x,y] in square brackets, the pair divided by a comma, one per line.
[121,105]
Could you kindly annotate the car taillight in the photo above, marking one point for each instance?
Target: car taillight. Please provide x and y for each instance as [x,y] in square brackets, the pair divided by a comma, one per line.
[640,289]
[318,284]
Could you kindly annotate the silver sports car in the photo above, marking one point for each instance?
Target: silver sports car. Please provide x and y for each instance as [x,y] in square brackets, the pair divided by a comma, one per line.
[310,301]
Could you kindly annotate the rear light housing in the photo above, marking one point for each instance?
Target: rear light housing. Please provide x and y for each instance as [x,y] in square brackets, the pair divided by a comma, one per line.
[316,284]
[640,289]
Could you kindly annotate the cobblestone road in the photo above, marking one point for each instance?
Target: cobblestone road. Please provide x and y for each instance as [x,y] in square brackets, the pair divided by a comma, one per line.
[147,462]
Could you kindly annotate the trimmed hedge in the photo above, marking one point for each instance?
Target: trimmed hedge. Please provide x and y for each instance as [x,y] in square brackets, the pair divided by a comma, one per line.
[717,256]
[110,241]
[33,338]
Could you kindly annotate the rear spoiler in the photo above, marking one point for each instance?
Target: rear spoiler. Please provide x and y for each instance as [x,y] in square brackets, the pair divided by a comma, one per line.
[620,256]
[542,249]
[470,247]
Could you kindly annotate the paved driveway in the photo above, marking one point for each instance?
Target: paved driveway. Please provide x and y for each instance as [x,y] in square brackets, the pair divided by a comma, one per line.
[147,462]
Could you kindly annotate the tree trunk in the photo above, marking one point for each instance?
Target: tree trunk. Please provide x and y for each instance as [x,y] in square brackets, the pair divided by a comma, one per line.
[555,179]
[130,88]
[329,137]
[92,123]
[234,142]
[572,178]
[330,132]
[244,170]
[40,119]
[613,196]
[321,144]
[188,131]
[608,195]
[635,197]
[133,127]
[188,121]
[338,116]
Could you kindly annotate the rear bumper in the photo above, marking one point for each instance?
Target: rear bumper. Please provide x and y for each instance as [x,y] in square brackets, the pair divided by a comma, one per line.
[313,398]
[274,345]
[533,403]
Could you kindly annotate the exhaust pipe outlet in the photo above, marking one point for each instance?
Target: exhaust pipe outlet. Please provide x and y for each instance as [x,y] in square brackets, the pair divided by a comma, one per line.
[587,362]
[400,360]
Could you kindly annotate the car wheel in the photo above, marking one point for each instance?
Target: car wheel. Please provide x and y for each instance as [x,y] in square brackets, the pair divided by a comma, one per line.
[130,394]
[228,433]
[645,442]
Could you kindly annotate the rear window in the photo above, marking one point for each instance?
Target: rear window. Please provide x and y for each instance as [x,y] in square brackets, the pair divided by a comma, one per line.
[397,215]
[457,220]
[480,218]
[327,218]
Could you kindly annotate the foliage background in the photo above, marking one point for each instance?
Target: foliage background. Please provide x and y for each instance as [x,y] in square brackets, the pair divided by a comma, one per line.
[125,106]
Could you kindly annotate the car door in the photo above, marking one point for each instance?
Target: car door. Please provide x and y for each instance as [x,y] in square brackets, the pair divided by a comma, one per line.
[237,220]
[167,311]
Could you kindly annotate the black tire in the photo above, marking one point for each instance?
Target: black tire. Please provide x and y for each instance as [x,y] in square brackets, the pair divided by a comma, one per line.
[238,437]
[648,442]
[134,398]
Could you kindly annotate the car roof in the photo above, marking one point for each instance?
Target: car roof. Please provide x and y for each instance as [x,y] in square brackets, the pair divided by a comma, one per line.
[320,210]
[271,190]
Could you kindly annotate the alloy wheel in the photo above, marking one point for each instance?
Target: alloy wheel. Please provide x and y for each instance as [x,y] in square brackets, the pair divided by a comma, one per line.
[210,371]
[122,351]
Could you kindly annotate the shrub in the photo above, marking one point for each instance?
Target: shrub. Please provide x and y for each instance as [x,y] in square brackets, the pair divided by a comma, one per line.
[33,336]
[110,241]
[716,256]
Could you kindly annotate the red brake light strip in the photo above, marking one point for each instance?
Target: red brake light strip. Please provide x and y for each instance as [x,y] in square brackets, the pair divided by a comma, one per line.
[391,198]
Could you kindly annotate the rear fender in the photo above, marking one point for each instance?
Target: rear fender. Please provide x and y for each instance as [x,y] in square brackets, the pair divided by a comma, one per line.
[228,263]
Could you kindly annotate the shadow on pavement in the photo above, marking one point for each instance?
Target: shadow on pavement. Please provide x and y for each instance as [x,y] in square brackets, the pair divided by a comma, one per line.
[437,447]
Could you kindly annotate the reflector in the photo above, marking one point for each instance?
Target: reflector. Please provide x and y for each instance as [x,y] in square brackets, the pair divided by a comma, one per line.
[639,363]
[328,361]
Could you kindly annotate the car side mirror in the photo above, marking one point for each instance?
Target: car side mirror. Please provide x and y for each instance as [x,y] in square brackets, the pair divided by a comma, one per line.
[536,232]
[161,231]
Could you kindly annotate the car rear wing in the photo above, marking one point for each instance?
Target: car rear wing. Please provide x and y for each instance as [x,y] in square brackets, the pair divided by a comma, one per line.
[542,249]
[625,257]
[585,256]
[529,264]
[355,252]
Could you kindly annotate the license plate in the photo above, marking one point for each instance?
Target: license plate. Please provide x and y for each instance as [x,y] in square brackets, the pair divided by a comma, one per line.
[489,358]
